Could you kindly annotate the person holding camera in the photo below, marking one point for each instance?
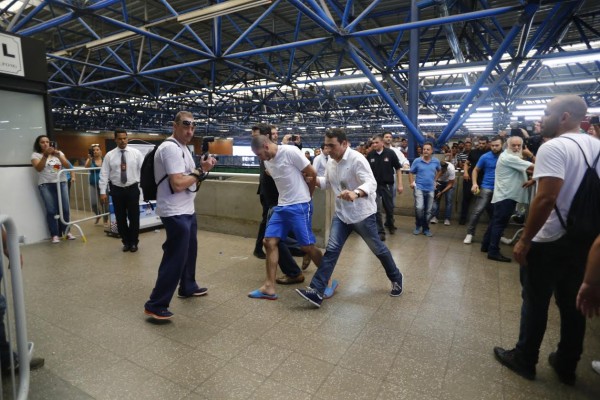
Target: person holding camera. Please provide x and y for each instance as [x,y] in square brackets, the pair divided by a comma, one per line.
[94,160]
[121,171]
[48,161]
[175,206]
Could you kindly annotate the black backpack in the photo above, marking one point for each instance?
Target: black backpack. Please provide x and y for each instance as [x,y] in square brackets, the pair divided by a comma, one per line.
[148,182]
[583,221]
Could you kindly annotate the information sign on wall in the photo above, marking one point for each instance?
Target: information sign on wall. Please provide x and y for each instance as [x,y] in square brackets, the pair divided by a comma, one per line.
[11,55]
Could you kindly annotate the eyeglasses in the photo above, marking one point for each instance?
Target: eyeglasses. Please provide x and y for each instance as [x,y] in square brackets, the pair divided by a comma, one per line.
[188,123]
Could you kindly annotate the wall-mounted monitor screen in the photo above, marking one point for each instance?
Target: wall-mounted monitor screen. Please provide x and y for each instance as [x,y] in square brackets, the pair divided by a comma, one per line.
[22,119]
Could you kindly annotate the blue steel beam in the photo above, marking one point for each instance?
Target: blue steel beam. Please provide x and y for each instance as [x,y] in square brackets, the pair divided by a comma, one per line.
[55,22]
[438,21]
[397,110]
[452,126]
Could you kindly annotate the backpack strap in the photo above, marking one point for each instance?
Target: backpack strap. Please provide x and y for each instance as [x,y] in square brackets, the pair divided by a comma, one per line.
[560,218]
[166,175]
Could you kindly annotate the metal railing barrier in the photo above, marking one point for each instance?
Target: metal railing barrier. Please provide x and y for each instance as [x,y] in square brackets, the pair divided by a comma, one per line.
[24,349]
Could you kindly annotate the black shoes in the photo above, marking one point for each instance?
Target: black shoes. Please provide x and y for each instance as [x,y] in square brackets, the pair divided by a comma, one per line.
[391,229]
[129,247]
[499,257]
[566,377]
[484,249]
[258,253]
[35,363]
[382,237]
[289,280]
[512,360]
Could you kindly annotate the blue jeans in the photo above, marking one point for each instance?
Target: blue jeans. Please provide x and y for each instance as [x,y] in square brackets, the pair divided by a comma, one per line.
[482,202]
[50,198]
[367,229]
[502,213]
[423,205]
[178,264]
[448,196]
[552,268]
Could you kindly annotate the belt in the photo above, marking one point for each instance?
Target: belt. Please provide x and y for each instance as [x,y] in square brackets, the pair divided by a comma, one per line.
[123,187]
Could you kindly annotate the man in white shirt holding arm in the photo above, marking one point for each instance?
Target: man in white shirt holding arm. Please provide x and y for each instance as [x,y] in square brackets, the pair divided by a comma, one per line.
[350,177]
[121,170]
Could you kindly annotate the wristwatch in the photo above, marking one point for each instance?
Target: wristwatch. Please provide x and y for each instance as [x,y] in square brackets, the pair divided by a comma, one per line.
[358,192]
[200,178]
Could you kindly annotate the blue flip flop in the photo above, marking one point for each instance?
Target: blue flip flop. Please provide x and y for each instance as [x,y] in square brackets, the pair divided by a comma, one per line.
[330,290]
[257,294]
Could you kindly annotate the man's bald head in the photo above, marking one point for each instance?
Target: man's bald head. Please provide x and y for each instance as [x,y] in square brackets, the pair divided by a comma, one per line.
[563,114]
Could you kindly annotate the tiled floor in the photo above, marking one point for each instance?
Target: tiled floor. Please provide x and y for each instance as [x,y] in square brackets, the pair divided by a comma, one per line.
[84,304]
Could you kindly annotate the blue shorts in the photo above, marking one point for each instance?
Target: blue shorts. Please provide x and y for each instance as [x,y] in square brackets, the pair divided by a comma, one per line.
[296,218]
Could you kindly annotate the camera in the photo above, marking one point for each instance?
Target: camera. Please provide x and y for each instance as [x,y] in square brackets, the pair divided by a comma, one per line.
[91,151]
[294,138]
[53,144]
[595,120]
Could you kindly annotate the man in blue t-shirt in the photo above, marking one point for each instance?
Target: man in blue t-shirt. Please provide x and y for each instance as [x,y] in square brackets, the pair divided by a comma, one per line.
[484,192]
[422,177]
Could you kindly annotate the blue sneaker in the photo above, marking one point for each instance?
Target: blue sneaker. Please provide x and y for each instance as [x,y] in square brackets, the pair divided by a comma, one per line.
[311,295]
[417,231]
[330,290]
[427,233]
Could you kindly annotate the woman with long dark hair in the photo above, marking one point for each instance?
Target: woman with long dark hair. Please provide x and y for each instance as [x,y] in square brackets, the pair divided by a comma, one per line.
[48,161]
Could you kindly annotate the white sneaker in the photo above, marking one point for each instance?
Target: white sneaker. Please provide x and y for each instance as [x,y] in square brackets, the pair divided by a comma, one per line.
[433,220]
[505,240]
[55,239]
[468,239]
[596,366]
[70,236]
[447,222]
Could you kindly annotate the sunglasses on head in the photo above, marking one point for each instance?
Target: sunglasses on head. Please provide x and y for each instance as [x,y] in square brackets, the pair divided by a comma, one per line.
[188,123]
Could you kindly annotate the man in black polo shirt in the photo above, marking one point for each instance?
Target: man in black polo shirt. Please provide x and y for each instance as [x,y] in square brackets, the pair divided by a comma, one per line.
[384,164]
[468,165]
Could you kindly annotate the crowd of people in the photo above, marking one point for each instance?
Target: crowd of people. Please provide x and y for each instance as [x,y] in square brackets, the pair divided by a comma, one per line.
[496,177]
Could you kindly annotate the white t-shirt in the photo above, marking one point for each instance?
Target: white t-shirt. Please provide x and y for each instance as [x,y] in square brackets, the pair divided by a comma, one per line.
[173,158]
[50,172]
[401,158]
[561,158]
[285,169]
[449,175]
[320,164]
[509,179]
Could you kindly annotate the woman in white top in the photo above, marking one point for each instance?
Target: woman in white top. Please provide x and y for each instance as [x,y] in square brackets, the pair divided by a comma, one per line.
[48,161]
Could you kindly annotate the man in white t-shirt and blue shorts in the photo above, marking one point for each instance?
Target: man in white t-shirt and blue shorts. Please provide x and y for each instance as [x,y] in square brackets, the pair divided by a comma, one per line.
[295,179]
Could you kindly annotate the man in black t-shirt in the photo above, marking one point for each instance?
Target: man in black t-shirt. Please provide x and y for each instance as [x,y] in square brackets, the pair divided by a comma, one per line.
[468,166]
[384,164]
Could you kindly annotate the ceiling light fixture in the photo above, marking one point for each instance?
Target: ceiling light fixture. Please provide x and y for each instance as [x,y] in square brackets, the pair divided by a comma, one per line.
[452,71]
[563,83]
[218,10]
[112,40]
[453,91]
[570,60]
